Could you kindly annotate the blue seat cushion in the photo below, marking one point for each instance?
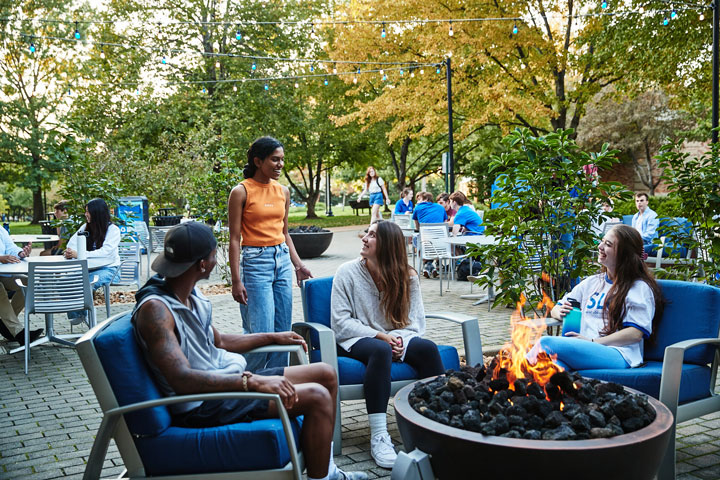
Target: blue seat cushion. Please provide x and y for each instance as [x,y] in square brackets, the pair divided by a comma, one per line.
[257,445]
[693,384]
[352,372]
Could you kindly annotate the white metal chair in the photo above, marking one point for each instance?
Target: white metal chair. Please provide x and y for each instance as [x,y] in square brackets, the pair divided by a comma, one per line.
[55,287]
[403,221]
[128,273]
[433,245]
[141,233]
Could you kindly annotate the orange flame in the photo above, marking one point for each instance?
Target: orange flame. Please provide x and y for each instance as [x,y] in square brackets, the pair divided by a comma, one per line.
[525,333]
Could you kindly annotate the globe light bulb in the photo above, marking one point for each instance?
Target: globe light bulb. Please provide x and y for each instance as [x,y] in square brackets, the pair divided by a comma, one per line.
[267,87]
[32,47]
[382,34]
[450,32]
[603,4]
[254,66]
[238,35]
[102,53]
[515,29]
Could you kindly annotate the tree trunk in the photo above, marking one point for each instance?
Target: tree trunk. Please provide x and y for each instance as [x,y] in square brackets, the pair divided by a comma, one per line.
[312,199]
[38,207]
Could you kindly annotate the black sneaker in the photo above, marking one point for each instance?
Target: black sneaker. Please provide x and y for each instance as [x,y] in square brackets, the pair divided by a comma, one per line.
[426,274]
[5,332]
[34,335]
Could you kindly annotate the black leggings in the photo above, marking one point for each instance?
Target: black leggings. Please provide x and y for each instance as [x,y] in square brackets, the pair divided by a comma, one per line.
[376,354]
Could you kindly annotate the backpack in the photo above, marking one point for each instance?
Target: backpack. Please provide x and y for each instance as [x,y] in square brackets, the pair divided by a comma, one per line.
[463,269]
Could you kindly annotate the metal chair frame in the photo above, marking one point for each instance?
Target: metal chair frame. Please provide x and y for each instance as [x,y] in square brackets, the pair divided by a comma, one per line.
[128,273]
[434,246]
[113,425]
[328,354]
[55,287]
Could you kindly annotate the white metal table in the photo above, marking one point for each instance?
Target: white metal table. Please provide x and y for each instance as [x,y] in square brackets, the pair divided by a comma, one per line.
[22,267]
[464,240]
[28,238]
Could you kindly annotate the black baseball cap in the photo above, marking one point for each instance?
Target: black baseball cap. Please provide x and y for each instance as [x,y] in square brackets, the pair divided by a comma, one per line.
[185,244]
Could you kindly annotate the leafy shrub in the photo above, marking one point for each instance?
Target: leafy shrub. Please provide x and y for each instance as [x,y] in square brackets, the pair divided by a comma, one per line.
[545,208]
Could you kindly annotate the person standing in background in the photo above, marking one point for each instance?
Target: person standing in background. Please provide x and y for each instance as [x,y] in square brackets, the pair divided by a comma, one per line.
[375,188]
[258,220]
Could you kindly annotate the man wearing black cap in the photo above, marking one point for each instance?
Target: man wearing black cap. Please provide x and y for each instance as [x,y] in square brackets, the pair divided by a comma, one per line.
[173,325]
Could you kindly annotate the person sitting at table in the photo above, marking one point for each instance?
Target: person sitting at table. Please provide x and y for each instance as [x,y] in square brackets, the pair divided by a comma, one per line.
[102,241]
[621,307]
[378,318]
[444,200]
[61,213]
[427,212]
[405,204]
[12,298]
[466,220]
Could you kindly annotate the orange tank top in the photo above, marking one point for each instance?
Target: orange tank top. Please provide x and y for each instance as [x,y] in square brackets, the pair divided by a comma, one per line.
[263,215]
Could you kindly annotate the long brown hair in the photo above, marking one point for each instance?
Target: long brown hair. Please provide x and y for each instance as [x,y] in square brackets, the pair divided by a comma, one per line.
[394,273]
[629,267]
[368,178]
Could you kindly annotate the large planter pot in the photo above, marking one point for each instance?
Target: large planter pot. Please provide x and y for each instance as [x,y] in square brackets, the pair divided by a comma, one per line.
[311,245]
[456,453]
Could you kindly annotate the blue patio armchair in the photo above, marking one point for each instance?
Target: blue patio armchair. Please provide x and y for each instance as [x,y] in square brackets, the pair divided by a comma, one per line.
[681,366]
[320,338]
[136,415]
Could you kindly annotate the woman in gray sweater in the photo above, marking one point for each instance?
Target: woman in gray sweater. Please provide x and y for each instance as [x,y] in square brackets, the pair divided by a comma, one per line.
[378,317]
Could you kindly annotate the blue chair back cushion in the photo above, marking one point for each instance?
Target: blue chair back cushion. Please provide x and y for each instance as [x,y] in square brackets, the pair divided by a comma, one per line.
[693,383]
[130,378]
[692,311]
[316,295]
[627,219]
[166,449]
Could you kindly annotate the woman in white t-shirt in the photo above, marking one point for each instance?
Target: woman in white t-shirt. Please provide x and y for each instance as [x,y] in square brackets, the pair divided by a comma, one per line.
[620,308]
[375,188]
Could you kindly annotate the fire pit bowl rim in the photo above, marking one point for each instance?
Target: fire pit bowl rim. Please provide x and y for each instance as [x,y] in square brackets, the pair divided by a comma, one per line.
[663,421]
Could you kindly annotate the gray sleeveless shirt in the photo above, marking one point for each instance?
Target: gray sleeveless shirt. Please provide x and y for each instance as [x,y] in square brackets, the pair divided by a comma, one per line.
[195,335]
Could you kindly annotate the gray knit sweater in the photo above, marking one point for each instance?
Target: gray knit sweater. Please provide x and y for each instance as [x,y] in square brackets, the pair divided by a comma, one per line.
[356,312]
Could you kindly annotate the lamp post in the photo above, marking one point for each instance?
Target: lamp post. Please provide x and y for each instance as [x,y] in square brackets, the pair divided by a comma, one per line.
[715,68]
[328,195]
[451,160]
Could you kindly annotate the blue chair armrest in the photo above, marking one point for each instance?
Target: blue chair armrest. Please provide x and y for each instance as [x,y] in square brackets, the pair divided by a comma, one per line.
[111,417]
[326,340]
[672,373]
[471,334]
[297,350]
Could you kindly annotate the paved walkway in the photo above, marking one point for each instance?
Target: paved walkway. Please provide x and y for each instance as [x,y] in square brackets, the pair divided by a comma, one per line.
[49,418]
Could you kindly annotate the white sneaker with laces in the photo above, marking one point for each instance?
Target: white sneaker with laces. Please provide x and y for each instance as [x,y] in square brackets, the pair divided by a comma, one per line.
[341,475]
[382,450]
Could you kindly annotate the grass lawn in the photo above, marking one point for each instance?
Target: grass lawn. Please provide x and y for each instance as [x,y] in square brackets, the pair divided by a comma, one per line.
[341,217]
[17,228]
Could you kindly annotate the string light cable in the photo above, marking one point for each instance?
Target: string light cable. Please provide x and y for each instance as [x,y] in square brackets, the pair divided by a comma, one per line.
[232,81]
[175,51]
[382,22]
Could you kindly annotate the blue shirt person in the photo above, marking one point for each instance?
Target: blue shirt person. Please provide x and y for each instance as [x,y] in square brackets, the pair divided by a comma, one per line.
[466,218]
[646,222]
[428,212]
[405,204]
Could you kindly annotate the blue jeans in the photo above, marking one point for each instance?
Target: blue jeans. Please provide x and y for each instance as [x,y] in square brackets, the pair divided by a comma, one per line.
[576,354]
[105,276]
[267,276]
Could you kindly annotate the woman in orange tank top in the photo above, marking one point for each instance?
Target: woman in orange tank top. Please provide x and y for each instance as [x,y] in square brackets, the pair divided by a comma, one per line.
[258,219]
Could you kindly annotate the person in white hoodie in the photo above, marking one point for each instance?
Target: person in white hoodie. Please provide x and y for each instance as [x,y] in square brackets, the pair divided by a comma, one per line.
[378,317]
[101,241]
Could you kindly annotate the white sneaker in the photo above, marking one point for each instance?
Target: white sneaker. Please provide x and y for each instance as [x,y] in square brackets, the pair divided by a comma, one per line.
[382,450]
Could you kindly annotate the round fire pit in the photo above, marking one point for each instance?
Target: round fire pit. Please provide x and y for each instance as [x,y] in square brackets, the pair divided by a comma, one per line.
[457,453]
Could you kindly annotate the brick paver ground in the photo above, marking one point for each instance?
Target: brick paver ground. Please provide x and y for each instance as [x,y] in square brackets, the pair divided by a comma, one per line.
[49,418]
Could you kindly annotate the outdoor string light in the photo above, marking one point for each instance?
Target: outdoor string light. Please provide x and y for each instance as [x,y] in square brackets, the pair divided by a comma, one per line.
[515,29]
[238,35]
[77,32]
[450,32]
[382,34]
